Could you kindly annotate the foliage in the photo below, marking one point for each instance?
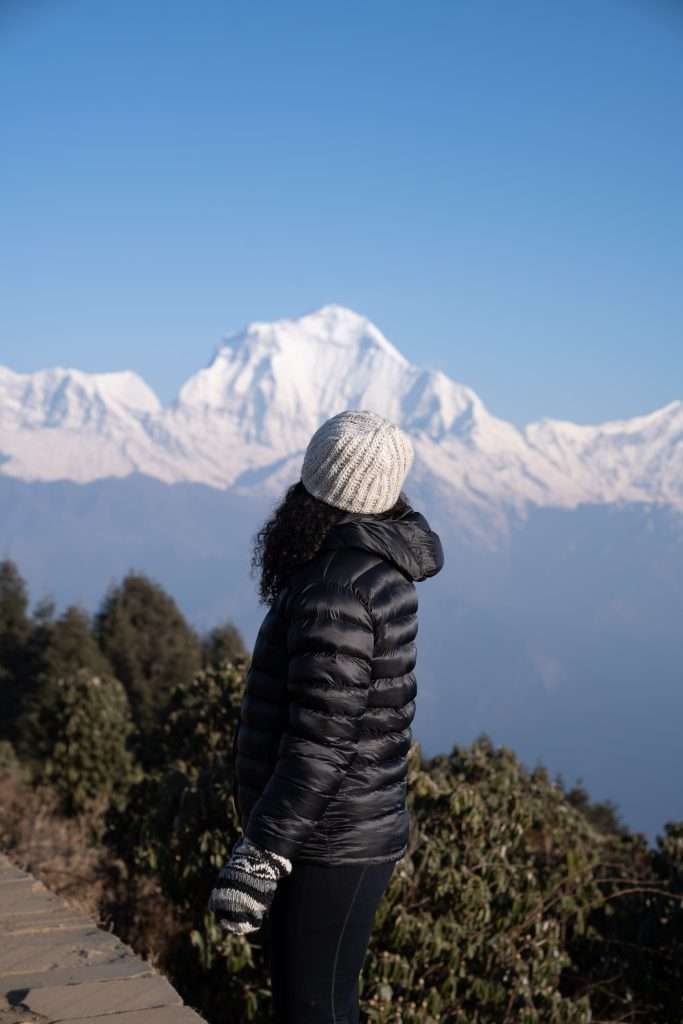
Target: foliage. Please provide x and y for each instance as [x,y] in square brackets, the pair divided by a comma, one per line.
[15,624]
[36,647]
[77,729]
[474,925]
[149,644]
[15,630]
[508,907]
[631,961]
[67,644]
[56,648]
[603,815]
[222,643]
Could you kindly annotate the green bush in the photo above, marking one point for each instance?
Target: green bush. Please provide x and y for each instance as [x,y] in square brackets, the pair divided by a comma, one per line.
[513,906]
[77,729]
[474,925]
[222,643]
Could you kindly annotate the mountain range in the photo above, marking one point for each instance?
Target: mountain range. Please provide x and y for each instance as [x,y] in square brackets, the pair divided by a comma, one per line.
[556,623]
[242,423]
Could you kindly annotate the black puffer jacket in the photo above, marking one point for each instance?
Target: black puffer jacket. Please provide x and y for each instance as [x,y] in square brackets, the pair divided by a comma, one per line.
[320,754]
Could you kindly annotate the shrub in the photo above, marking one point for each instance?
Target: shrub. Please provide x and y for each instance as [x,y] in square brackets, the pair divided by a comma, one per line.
[76,733]
[474,925]
[512,906]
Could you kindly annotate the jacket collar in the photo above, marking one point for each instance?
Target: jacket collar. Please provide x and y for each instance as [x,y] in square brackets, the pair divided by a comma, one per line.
[407,541]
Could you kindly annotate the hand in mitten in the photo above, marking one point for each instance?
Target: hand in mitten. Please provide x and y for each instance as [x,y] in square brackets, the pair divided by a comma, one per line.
[246,885]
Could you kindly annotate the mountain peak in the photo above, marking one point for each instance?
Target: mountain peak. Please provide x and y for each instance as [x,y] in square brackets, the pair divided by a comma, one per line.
[63,392]
[278,380]
[331,324]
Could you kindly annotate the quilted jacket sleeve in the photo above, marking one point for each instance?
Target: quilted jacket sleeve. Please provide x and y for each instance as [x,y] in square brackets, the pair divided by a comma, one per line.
[330,642]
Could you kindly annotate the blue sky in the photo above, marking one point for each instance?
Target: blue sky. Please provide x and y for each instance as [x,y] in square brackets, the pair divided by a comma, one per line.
[497,186]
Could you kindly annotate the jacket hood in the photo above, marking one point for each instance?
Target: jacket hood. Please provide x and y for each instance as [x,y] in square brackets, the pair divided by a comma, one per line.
[407,541]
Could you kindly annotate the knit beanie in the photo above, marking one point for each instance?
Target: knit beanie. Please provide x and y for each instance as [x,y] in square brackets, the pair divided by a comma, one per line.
[357,461]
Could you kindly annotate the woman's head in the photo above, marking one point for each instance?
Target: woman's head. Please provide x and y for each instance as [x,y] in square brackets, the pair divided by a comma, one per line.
[356,461]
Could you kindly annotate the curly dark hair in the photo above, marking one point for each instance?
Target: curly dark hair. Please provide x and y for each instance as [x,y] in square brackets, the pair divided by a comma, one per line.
[295,532]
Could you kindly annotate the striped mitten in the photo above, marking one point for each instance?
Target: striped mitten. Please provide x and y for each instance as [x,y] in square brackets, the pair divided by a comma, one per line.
[246,885]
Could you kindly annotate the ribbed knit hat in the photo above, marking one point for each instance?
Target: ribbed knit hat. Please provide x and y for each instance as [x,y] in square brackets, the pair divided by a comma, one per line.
[357,461]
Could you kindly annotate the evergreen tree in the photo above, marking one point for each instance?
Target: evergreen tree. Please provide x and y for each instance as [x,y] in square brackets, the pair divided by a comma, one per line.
[222,644]
[70,645]
[15,633]
[150,646]
[77,728]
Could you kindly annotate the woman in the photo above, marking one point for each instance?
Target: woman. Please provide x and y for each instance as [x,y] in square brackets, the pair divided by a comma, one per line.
[321,749]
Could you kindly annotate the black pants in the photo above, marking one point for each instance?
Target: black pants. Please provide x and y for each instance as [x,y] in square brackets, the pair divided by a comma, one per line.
[315,939]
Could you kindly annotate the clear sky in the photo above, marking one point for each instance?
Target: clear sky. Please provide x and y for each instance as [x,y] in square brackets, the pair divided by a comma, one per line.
[498,186]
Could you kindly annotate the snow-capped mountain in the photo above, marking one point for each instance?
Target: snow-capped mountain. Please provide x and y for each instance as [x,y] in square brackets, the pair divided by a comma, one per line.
[243,422]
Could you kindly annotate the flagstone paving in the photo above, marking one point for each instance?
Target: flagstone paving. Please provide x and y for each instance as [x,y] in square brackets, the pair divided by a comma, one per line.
[57,965]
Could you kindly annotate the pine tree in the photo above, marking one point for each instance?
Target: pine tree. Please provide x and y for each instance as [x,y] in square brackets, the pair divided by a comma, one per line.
[70,645]
[150,646]
[15,633]
[222,644]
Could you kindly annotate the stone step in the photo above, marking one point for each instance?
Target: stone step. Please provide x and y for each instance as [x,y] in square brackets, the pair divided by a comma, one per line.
[57,965]
[123,967]
[46,950]
[93,998]
[20,924]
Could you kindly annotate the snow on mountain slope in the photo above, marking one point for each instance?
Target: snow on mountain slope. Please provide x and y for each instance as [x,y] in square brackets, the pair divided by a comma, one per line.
[243,423]
[640,459]
[62,423]
[269,387]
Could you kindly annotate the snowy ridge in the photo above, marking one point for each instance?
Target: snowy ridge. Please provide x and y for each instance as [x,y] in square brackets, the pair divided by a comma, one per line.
[244,420]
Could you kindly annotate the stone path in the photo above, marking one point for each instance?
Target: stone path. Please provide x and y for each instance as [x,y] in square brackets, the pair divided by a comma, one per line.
[57,965]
